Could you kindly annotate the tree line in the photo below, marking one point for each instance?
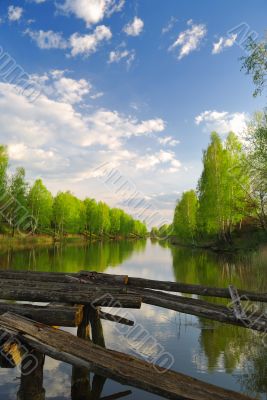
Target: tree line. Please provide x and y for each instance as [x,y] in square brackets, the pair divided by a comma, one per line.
[33,208]
[232,190]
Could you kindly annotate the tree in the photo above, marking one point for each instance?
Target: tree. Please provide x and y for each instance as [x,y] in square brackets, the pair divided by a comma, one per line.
[66,213]
[256,164]
[91,216]
[115,221]
[103,218]
[184,222]
[255,64]
[17,209]
[210,189]
[3,182]
[40,204]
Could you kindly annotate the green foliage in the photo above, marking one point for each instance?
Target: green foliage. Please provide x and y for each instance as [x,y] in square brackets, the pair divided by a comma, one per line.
[18,192]
[40,205]
[184,222]
[255,64]
[66,213]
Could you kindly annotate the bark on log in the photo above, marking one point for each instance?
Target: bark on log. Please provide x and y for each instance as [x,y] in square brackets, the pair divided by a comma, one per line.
[202,308]
[111,364]
[132,282]
[59,315]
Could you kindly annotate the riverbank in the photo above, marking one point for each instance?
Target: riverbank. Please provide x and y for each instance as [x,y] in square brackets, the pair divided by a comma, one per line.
[242,241]
[23,241]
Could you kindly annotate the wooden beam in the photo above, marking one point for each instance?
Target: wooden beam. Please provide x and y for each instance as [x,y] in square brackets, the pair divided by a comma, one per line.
[59,315]
[123,368]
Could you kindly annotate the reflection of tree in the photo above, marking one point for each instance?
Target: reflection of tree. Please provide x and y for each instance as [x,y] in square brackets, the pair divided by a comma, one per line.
[73,257]
[255,378]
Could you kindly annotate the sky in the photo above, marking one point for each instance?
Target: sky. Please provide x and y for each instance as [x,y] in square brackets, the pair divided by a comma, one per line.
[115,99]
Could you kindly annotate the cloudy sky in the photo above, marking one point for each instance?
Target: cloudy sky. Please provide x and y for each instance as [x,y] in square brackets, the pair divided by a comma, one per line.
[91,88]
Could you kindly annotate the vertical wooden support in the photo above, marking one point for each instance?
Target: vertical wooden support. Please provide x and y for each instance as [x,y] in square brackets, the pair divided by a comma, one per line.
[31,383]
[80,382]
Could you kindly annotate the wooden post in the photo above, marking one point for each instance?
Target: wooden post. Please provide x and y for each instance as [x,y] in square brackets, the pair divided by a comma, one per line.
[31,383]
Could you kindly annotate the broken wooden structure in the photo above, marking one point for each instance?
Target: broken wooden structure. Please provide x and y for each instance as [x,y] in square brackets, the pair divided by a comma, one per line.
[76,300]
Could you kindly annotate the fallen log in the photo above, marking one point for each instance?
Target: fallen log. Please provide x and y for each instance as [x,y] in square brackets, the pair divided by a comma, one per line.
[123,368]
[131,282]
[115,318]
[59,315]
[101,297]
[200,308]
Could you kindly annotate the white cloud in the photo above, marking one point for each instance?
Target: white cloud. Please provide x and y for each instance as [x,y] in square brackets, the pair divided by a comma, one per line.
[62,88]
[135,27]
[88,44]
[223,43]
[169,25]
[161,157]
[168,141]
[190,39]
[91,11]
[14,13]
[222,122]
[47,39]
[116,56]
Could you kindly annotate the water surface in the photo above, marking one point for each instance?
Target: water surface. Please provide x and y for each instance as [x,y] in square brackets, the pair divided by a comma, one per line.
[228,356]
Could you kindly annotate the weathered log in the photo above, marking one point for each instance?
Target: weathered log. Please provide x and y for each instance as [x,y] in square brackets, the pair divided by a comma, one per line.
[123,368]
[31,382]
[101,297]
[10,353]
[202,308]
[96,326]
[115,318]
[116,396]
[60,315]
[132,282]
[236,303]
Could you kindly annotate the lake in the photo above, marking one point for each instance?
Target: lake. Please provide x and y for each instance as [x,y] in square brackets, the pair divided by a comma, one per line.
[228,356]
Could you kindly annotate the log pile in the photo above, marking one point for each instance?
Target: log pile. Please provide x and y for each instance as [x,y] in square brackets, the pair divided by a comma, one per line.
[75,300]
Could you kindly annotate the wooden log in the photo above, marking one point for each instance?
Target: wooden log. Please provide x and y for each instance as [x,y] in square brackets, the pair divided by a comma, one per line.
[115,318]
[100,297]
[96,326]
[31,381]
[238,310]
[123,368]
[10,353]
[132,282]
[60,315]
[116,396]
[202,308]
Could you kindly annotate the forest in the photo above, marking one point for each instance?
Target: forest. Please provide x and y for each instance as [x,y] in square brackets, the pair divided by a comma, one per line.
[32,209]
[231,195]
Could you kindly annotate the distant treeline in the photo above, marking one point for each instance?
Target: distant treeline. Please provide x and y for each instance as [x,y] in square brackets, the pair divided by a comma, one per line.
[232,191]
[34,209]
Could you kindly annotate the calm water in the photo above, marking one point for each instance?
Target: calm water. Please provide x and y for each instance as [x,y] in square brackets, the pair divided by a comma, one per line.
[232,357]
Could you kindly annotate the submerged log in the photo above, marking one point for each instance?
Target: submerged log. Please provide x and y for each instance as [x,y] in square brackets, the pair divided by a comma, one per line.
[123,368]
[60,315]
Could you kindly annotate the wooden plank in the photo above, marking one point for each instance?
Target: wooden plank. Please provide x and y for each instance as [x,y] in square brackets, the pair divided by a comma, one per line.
[111,364]
[238,310]
[59,315]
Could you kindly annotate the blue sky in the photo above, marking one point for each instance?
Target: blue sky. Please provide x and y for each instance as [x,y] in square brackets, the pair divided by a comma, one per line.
[136,86]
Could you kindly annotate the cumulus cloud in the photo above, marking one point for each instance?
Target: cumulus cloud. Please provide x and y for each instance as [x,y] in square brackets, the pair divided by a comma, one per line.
[47,39]
[189,40]
[116,56]
[93,11]
[57,85]
[223,42]
[79,44]
[14,13]
[88,44]
[134,28]
[222,122]
[162,157]
[168,141]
